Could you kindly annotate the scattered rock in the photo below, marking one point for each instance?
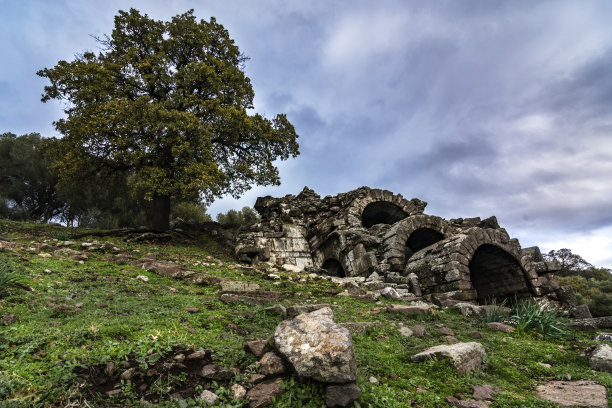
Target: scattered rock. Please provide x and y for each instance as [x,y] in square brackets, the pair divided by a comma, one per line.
[143,278]
[570,394]
[373,380]
[261,394]
[485,392]
[258,347]
[406,331]
[9,319]
[451,339]
[607,337]
[359,327]
[128,374]
[238,286]
[475,334]
[209,397]
[342,395]
[464,357]
[409,310]
[580,312]
[216,373]
[192,309]
[447,331]
[317,348]
[601,358]
[238,391]
[271,364]
[390,293]
[545,365]
[418,330]
[503,327]
[293,311]
[278,309]
[469,310]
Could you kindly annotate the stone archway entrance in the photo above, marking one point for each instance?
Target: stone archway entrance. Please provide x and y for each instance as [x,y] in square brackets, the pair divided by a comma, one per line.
[381,212]
[495,273]
[334,268]
[421,238]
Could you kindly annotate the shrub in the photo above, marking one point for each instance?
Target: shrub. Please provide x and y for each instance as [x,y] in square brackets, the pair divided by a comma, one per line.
[530,316]
[7,278]
[191,212]
[601,305]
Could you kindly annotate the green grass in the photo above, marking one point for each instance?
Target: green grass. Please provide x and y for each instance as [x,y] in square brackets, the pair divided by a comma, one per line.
[122,319]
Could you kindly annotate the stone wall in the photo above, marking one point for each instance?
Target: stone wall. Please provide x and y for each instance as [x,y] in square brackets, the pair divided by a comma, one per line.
[368,231]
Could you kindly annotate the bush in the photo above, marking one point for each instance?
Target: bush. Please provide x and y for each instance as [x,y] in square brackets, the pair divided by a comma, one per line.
[530,316]
[7,278]
[601,305]
[191,212]
[236,219]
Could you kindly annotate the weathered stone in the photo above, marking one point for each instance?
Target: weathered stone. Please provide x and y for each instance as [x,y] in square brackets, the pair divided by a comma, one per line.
[409,310]
[406,331]
[390,293]
[258,347]
[271,364]
[580,312]
[317,348]
[209,397]
[418,330]
[238,391]
[485,392]
[601,358]
[566,296]
[464,357]
[455,402]
[503,327]
[278,309]
[295,310]
[342,395]
[573,394]
[238,286]
[607,337]
[216,373]
[261,395]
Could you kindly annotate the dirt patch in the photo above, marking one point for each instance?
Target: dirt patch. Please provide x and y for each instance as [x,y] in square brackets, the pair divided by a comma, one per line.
[173,375]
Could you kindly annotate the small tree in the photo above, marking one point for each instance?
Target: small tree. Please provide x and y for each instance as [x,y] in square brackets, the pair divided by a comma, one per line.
[167,101]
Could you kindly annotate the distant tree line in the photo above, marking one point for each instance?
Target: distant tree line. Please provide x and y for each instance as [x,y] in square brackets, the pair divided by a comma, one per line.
[592,285]
[30,190]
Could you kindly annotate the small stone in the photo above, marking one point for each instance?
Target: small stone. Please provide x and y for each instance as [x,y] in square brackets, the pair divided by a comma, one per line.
[238,391]
[373,380]
[405,331]
[128,374]
[418,330]
[475,334]
[271,364]
[262,394]
[607,337]
[143,278]
[192,309]
[179,357]
[545,365]
[465,404]
[79,305]
[278,309]
[216,373]
[390,293]
[465,357]
[601,358]
[209,397]
[258,347]
[110,369]
[451,339]
[503,327]
[256,378]
[485,392]
[447,331]
[197,355]
[341,395]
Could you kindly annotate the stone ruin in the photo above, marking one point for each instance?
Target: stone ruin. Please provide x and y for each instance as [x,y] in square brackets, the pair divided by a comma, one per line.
[383,236]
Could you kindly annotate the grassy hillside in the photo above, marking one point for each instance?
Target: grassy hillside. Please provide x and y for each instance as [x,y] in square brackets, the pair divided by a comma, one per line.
[85,310]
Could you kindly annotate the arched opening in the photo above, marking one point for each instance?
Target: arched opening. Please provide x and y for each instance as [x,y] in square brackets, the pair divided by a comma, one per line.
[421,238]
[381,212]
[334,268]
[496,274]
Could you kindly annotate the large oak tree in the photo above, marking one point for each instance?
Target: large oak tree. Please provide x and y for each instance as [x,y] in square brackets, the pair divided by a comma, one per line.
[167,101]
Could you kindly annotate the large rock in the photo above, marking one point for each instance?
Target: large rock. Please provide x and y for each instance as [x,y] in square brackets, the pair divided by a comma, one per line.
[317,348]
[601,358]
[465,357]
[571,394]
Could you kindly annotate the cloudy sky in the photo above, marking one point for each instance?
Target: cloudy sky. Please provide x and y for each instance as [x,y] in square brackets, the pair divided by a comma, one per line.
[478,107]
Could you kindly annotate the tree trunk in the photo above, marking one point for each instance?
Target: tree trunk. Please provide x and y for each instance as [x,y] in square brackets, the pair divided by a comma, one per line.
[161,213]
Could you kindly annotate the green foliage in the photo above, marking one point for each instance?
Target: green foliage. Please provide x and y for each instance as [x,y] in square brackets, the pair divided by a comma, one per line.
[7,277]
[496,313]
[236,219]
[601,305]
[530,316]
[27,183]
[167,102]
[301,395]
[191,212]
[569,261]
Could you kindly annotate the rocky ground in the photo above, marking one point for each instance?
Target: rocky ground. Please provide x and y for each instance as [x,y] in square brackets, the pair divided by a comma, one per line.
[143,320]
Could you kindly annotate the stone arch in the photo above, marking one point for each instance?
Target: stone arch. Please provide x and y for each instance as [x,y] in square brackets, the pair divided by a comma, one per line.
[392,207]
[333,267]
[495,273]
[381,212]
[446,266]
[419,231]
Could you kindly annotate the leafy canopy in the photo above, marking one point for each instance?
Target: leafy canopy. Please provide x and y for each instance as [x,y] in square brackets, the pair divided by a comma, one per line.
[168,102]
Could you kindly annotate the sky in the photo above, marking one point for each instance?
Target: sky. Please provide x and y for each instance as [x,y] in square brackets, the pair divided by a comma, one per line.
[478,107]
